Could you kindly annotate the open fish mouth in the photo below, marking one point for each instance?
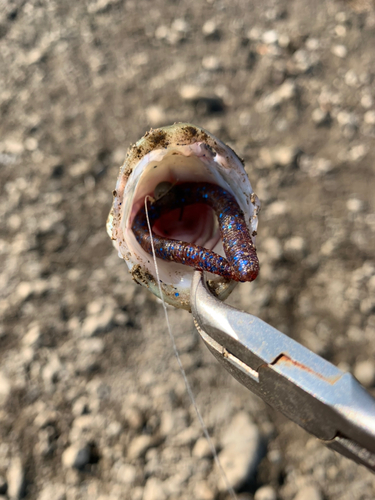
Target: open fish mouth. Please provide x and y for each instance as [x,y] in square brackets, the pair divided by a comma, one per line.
[174,168]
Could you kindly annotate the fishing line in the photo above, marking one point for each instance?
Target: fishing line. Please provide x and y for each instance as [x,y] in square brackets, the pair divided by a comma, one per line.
[187,384]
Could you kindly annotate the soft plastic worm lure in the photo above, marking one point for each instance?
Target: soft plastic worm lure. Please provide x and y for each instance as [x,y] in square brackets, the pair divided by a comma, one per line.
[241,263]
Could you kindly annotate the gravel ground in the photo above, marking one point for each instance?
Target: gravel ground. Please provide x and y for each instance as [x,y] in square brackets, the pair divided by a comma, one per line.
[92,404]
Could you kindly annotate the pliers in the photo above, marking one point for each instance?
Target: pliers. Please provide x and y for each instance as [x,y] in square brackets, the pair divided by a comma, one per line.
[323,400]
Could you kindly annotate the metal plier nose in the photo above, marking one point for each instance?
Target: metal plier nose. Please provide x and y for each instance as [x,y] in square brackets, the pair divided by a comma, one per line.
[323,400]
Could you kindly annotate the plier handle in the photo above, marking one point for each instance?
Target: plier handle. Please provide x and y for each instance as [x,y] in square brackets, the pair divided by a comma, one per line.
[323,400]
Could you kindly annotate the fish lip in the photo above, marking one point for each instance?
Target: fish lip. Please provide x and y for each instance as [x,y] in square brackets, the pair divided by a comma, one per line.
[230,174]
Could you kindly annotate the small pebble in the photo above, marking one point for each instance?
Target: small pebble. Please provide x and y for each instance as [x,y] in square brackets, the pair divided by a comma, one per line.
[210,29]
[319,116]
[156,116]
[202,491]
[309,493]
[312,44]
[295,247]
[340,30]
[53,492]
[154,490]
[273,248]
[16,479]
[347,118]
[241,450]
[202,449]
[5,389]
[32,337]
[364,371]
[284,41]
[369,117]
[76,456]
[211,63]
[139,445]
[265,493]
[366,101]
[354,205]
[351,79]
[270,37]
[126,474]
[51,370]
[339,51]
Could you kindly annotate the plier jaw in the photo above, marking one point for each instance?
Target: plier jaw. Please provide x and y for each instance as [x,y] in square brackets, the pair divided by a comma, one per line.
[325,401]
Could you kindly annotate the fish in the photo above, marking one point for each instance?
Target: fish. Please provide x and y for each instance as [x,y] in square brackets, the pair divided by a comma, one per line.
[201,206]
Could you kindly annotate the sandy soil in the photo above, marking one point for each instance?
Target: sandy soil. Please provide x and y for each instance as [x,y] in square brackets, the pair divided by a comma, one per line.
[92,402]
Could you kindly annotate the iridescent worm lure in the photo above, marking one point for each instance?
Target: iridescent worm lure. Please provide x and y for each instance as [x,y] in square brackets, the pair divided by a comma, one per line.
[206,219]
[241,263]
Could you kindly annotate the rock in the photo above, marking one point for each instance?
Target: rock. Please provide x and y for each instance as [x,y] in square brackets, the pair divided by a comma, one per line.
[346,118]
[76,456]
[315,167]
[53,492]
[304,60]
[114,429]
[241,451]
[173,422]
[24,290]
[312,44]
[91,346]
[139,445]
[202,491]
[367,101]
[284,93]
[276,209]
[126,474]
[369,117]
[98,389]
[51,370]
[273,249]
[295,247]
[154,490]
[205,100]
[340,51]
[211,63]
[33,337]
[320,117]
[357,152]
[156,116]
[351,79]
[269,37]
[45,444]
[284,40]
[16,479]
[5,389]
[340,30]
[210,29]
[95,324]
[161,32]
[100,316]
[354,205]
[308,493]
[202,449]
[367,305]
[364,371]
[265,493]
[134,418]
[282,156]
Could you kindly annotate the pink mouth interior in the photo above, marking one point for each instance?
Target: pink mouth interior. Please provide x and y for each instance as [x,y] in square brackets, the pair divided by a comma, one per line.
[193,224]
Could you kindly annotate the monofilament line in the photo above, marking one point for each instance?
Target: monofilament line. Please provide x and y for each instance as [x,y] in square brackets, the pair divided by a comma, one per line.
[187,384]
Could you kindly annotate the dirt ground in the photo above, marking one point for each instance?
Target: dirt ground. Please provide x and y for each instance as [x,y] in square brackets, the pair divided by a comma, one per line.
[92,404]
